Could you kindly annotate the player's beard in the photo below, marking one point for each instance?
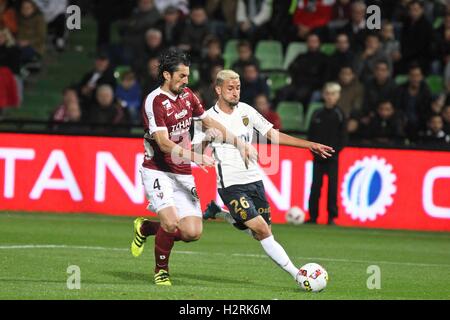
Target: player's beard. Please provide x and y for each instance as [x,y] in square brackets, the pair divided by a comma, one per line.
[231,104]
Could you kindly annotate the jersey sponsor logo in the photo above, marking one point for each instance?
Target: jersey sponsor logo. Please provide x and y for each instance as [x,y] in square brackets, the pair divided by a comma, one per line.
[245,120]
[182,125]
[368,188]
[188,104]
[181,114]
[167,105]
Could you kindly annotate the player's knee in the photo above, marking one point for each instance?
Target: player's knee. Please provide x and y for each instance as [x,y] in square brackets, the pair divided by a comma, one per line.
[262,232]
[169,226]
[191,235]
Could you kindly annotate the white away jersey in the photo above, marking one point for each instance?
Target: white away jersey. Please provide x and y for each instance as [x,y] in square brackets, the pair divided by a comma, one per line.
[230,167]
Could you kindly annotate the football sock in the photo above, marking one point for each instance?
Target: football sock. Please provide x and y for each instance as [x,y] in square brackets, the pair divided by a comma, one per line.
[276,252]
[225,215]
[163,246]
[149,228]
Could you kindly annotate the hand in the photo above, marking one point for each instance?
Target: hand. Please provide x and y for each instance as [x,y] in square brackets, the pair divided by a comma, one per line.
[204,161]
[248,154]
[213,135]
[321,150]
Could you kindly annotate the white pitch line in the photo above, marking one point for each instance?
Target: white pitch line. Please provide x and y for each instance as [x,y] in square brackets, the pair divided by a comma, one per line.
[62,246]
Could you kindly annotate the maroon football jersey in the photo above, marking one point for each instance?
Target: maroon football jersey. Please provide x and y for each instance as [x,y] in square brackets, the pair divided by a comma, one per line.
[164,111]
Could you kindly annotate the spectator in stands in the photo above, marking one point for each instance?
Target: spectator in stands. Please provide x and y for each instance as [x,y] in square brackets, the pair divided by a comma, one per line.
[101,74]
[149,80]
[9,52]
[262,105]
[180,5]
[356,27]
[245,55]
[31,36]
[437,104]
[385,127]
[446,118]
[342,56]
[379,88]
[435,135]
[414,100]
[442,41]
[171,26]
[69,110]
[8,17]
[312,16]
[390,45]
[134,29]
[106,111]
[212,58]
[253,19]
[222,16]
[328,126]
[252,83]
[54,12]
[341,13]
[207,88]
[352,92]
[416,39]
[129,94]
[153,47]
[308,73]
[372,53]
[196,31]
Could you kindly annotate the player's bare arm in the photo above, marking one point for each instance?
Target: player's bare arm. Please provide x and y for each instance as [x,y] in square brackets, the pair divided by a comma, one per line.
[170,147]
[283,139]
[248,152]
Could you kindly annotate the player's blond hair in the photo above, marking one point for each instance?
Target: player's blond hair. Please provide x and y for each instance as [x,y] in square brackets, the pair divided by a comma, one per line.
[226,75]
[332,87]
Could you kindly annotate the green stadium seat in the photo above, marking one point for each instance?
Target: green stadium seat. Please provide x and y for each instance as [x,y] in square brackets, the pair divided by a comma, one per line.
[292,51]
[291,114]
[313,107]
[230,53]
[120,70]
[270,54]
[276,80]
[438,22]
[401,79]
[328,48]
[436,83]
[194,75]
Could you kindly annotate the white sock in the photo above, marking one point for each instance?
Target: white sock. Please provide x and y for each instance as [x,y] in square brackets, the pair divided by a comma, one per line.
[225,215]
[276,252]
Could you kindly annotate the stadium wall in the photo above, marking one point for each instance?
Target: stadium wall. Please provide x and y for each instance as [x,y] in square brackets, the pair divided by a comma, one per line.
[378,188]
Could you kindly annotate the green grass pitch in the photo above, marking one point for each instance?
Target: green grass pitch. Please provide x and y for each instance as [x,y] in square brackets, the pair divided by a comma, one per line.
[36,250]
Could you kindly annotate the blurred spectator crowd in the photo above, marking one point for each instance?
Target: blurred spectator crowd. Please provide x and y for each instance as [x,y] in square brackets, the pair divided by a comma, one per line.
[395,81]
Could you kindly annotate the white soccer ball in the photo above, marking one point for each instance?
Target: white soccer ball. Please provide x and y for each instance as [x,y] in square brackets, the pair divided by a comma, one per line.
[295,216]
[312,277]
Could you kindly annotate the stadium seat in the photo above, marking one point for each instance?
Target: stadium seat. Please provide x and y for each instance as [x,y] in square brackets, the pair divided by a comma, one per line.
[436,83]
[230,53]
[291,114]
[276,80]
[270,54]
[292,51]
[401,79]
[120,70]
[194,75]
[438,22]
[328,48]
[313,106]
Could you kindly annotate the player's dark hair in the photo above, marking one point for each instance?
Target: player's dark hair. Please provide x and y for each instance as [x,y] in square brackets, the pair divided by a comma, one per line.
[170,60]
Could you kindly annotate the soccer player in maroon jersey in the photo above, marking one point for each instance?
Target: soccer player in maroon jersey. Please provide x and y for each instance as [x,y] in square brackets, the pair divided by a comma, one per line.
[166,171]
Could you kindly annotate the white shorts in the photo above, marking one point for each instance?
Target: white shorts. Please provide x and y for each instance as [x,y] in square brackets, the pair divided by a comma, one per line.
[164,189]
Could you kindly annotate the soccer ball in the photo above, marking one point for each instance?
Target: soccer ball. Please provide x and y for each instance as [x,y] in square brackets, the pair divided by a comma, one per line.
[295,216]
[312,277]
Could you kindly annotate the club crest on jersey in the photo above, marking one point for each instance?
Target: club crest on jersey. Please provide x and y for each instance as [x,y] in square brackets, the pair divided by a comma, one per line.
[167,105]
[245,120]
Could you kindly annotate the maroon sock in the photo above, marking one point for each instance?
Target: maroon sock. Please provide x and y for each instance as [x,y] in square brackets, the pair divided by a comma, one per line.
[163,246]
[178,236]
[149,228]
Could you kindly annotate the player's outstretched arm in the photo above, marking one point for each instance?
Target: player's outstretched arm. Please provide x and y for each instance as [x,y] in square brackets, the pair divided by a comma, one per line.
[248,152]
[177,152]
[280,138]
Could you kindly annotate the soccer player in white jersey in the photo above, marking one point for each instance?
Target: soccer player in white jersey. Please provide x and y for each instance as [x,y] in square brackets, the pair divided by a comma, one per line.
[166,170]
[241,188]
